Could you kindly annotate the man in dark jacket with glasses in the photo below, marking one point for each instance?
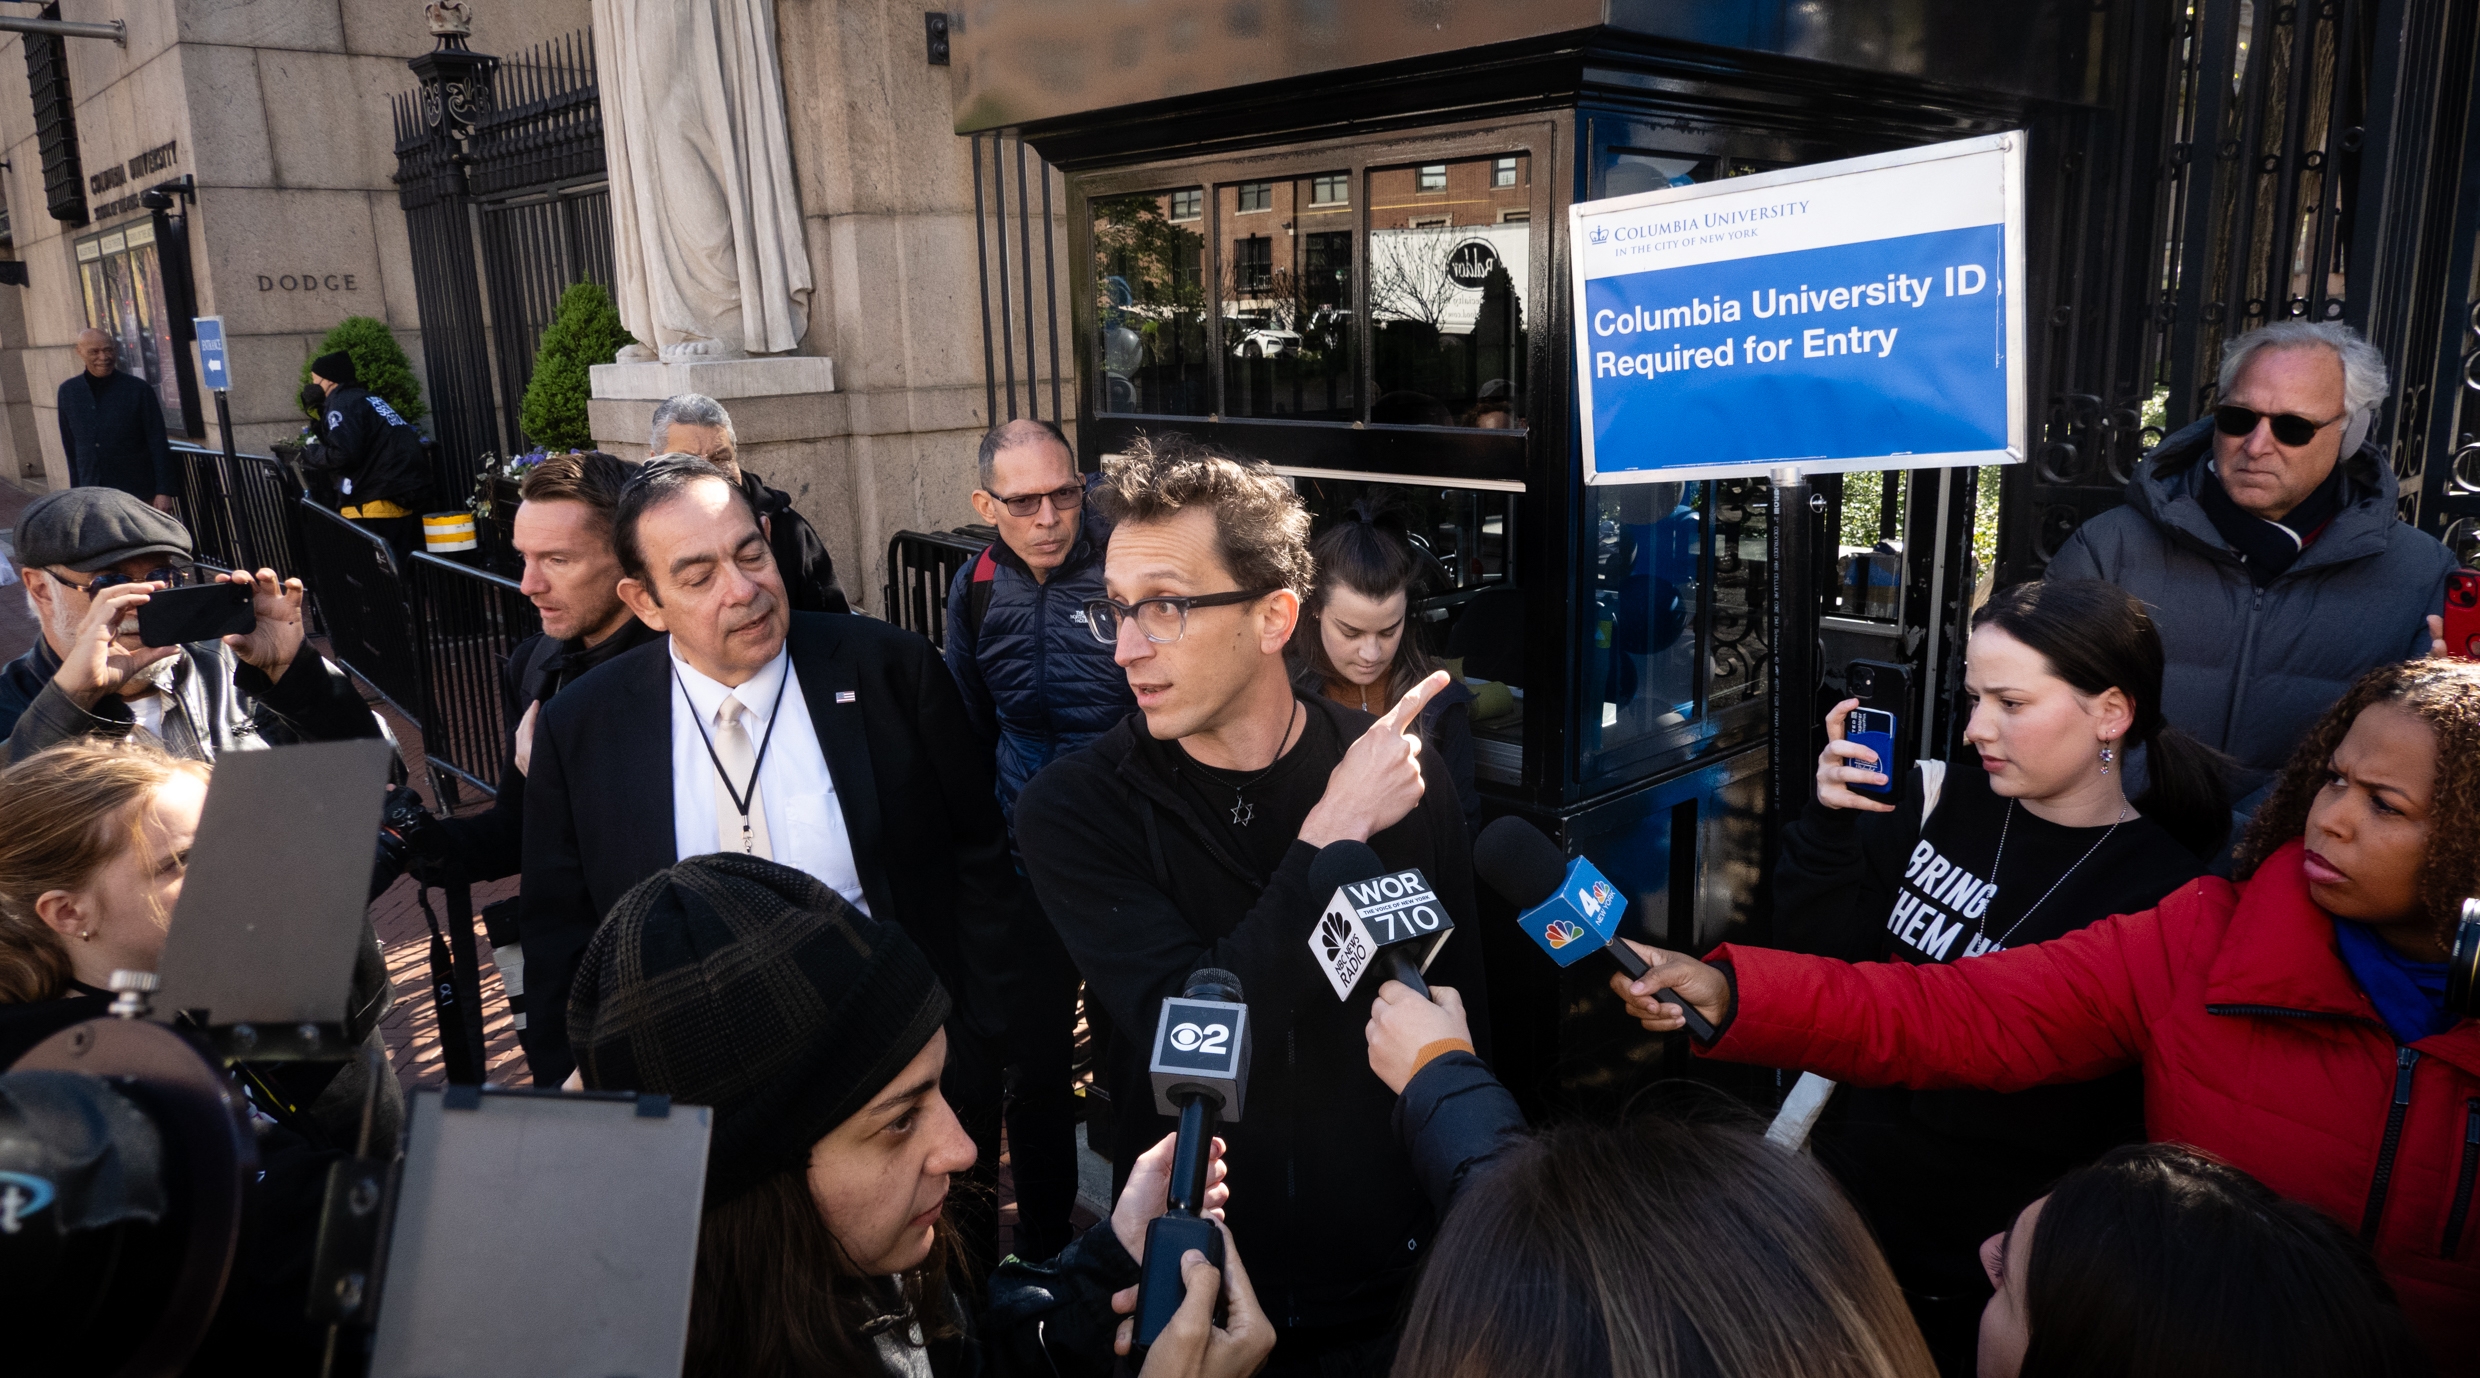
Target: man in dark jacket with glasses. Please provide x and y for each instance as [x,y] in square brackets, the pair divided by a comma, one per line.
[1183,839]
[2264,540]
[1037,686]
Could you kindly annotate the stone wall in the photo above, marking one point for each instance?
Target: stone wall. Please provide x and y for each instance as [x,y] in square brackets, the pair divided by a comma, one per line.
[280,110]
[887,203]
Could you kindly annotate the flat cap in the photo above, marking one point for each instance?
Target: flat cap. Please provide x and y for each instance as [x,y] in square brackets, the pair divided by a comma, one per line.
[88,529]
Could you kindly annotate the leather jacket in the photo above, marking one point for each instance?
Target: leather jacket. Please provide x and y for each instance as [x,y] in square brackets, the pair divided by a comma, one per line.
[218,704]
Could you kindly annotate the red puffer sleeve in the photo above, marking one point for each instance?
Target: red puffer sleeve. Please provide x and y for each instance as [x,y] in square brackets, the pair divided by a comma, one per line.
[2070,1009]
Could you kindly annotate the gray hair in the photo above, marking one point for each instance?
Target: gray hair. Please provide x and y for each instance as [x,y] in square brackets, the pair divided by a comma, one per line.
[2364,384]
[687,409]
[1007,435]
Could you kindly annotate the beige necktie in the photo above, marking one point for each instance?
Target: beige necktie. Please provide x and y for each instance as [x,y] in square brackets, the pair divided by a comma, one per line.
[740,765]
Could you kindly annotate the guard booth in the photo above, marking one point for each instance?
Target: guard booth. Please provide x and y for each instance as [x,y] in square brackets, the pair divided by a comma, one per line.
[1333,237]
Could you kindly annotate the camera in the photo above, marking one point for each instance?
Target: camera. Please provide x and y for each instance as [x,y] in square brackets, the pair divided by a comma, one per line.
[410,839]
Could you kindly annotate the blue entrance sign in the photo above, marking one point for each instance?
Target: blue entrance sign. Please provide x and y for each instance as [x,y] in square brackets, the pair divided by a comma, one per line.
[212,364]
[1852,315]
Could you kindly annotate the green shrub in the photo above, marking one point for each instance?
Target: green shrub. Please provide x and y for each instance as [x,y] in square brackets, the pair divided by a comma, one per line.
[378,362]
[584,331]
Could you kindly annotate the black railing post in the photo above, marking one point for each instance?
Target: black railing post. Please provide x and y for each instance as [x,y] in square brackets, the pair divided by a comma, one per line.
[434,125]
[1791,559]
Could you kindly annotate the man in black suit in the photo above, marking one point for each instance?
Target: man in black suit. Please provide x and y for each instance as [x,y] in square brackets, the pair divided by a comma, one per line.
[112,428]
[835,745]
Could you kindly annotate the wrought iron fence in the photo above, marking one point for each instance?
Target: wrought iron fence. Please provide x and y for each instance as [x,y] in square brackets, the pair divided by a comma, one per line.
[1010,272]
[239,509]
[471,620]
[499,170]
[2269,161]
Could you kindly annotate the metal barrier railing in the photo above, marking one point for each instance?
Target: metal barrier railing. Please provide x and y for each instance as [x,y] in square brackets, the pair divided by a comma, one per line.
[360,594]
[239,508]
[920,567]
[471,620]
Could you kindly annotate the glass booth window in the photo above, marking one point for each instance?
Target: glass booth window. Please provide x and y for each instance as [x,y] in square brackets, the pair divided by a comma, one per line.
[1150,309]
[1448,274]
[1286,298]
[1667,557]
[123,291]
[1468,614]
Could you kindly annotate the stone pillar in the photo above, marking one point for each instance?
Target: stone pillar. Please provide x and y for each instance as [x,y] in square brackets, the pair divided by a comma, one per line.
[886,194]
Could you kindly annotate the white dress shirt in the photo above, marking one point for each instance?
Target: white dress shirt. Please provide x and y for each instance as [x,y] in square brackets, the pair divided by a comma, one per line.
[804,823]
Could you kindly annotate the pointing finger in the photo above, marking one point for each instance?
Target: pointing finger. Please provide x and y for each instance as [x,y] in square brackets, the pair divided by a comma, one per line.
[1414,700]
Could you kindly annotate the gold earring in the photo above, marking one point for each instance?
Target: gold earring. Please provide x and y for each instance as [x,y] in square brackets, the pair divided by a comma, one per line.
[87,936]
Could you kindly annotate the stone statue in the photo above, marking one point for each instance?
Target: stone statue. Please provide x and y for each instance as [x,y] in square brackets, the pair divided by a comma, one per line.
[450,18]
[706,221]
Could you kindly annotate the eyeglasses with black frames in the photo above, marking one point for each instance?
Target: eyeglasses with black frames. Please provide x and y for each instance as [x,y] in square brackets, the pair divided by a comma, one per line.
[1066,500]
[168,575]
[2290,430]
[1160,620]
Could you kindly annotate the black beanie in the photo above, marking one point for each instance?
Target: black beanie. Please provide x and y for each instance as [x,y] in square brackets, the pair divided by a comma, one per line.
[740,984]
[336,368]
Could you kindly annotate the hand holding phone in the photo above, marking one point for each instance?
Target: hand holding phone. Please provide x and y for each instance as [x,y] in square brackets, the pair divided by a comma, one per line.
[199,612]
[2462,614]
[1848,766]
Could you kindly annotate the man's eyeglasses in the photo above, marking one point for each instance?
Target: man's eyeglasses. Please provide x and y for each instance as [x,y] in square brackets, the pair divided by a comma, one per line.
[1158,619]
[166,575]
[1066,499]
[2290,430]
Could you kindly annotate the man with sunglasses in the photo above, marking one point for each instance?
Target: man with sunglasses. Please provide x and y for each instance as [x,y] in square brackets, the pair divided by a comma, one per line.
[1037,686]
[90,557]
[1183,839]
[2264,539]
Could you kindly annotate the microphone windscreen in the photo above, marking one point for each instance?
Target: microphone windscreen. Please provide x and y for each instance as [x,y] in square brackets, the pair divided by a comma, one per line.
[1514,858]
[1340,864]
[1214,983]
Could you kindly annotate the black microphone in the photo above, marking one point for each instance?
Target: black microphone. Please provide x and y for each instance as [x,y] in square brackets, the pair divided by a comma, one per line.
[1568,909]
[1391,921]
[1201,1071]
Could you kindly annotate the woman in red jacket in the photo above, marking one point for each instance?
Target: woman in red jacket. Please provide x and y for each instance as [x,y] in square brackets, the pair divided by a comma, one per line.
[2292,1024]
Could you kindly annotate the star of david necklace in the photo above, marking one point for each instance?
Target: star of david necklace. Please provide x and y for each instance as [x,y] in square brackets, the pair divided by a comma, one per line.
[1242,811]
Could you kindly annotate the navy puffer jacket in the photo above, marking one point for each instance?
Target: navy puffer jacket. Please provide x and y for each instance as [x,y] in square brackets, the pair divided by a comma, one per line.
[1035,682]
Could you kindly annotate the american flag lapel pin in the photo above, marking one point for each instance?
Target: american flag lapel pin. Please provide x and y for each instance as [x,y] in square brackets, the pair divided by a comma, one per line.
[844,696]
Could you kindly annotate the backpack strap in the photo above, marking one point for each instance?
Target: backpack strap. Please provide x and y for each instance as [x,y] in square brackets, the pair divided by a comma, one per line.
[1932,782]
[977,594]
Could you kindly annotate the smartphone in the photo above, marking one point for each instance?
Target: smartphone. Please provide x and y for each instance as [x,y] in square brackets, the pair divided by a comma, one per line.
[2463,614]
[198,612]
[1874,728]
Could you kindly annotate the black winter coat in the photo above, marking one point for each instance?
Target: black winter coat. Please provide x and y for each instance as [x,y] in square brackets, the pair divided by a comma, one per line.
[2251,669]
[800,556]
[1035,682]
[117,440]
[370,454]
[1329,1215]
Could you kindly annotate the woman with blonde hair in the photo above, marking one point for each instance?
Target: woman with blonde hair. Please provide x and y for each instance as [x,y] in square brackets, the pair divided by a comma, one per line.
[91,861]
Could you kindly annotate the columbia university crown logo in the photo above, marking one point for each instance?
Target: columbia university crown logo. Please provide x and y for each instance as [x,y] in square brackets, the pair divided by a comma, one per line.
[1600,235]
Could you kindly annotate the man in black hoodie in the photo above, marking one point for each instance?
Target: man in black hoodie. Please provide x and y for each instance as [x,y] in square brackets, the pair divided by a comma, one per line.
[1183,839]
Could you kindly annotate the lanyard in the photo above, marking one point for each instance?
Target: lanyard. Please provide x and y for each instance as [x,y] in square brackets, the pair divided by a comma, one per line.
[741,798]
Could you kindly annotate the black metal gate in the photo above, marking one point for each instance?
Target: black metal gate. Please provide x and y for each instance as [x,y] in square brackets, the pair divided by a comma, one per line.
[499,168]
[2264,160]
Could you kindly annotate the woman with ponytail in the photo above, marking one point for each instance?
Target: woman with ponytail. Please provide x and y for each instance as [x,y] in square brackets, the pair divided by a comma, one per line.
[1356,643]
[2030,838]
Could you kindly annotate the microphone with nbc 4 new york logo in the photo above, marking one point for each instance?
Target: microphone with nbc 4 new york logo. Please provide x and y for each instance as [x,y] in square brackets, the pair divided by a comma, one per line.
[1570,909]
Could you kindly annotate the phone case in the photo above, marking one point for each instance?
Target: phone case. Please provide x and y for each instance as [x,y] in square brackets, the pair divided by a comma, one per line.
[1883,744]
[2462,612]
[175,617]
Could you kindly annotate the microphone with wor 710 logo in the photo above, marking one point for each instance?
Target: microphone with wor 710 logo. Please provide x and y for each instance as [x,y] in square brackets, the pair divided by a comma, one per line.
[1377,919]
[1201,1071]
